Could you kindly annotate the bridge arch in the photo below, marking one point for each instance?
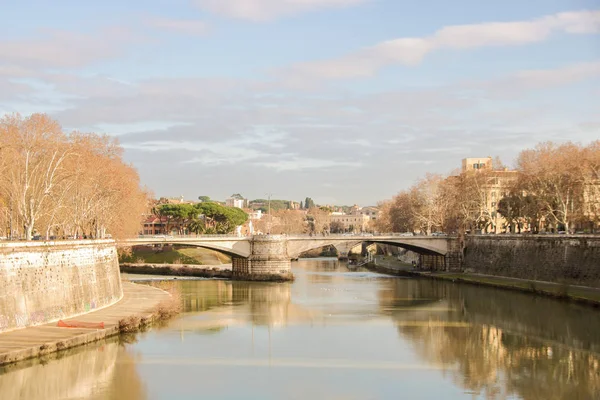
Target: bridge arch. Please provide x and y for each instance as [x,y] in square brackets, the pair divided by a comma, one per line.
[230,248]
[423,246]
[420,248]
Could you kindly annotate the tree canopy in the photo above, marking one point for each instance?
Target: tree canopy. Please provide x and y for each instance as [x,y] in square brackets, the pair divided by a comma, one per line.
[58,184]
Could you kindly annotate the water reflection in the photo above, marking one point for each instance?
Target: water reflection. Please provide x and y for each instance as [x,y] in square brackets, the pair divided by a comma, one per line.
[337,333]
[218,304]
[80,373]
[512,343]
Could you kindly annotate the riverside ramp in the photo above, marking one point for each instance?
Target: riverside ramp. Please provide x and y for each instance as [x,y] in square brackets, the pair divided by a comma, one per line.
[139,301]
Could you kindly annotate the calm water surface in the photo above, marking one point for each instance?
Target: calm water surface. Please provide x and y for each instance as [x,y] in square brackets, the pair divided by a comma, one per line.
[336,333]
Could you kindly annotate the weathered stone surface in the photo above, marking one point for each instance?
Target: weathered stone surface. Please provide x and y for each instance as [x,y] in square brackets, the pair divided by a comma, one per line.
[573,260]
[268,260]
[45,282]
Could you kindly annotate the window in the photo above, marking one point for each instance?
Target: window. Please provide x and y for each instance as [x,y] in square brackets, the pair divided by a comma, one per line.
[493,195]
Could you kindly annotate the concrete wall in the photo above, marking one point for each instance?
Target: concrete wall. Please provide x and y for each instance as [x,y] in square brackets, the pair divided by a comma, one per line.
[45,282]
[573,260]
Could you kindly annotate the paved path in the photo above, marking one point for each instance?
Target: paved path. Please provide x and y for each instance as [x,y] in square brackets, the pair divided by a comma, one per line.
[138,300]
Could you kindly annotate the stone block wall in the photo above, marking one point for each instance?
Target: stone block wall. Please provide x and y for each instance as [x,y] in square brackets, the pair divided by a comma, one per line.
[573,260]
[268,260]
[432,262]
[48,281]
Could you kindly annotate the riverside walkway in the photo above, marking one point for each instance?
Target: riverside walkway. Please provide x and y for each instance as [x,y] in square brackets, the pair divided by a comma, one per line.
[138,301]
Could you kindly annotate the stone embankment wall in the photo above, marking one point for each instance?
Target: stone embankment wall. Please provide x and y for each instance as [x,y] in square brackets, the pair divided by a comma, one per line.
[48,281]
[573,260]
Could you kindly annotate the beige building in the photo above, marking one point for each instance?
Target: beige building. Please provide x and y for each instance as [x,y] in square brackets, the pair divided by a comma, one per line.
[352,222]
[371,212]
[495,187]
[470,164]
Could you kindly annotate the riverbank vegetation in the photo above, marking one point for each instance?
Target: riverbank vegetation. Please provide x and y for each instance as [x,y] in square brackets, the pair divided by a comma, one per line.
[554,187]
[168,254]
[58,184]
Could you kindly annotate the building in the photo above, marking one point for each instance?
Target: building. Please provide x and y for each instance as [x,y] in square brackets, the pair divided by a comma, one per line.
[254,214]
[154,225]
[371,212]
[236,200]
[470,164]
[495,186]
[351,222]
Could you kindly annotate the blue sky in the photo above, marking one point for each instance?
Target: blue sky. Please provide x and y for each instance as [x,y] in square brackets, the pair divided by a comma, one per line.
[345,101]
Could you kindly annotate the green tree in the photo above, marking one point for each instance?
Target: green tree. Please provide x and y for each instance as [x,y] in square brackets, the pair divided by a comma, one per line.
[204,199]
[197,226]
[309,203]
[512,209]
[222,219]
[179,214]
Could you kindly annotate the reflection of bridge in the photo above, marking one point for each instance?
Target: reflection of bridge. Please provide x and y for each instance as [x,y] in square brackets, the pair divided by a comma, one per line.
[266,256]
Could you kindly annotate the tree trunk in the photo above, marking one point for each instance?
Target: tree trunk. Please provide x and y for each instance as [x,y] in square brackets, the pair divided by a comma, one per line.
[28,231]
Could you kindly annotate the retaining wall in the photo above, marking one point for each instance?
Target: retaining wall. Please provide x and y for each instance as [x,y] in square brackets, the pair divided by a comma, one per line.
[47,281]
[573,260]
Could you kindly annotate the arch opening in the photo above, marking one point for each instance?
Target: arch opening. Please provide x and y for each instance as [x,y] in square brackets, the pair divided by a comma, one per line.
[176,253]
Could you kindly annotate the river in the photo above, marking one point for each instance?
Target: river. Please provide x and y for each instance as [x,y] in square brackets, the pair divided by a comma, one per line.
[335,333]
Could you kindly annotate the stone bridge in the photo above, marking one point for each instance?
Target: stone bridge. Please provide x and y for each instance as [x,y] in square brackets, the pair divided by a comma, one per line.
[266,257]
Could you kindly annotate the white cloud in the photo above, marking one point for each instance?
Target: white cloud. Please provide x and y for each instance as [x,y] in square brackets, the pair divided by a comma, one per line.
[263,10]
[190,27]
[516,86]
[560,76]
[411,51]
[64,49]
[295,163]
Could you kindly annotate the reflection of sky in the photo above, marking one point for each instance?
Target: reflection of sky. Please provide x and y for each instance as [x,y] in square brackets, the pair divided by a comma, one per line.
[335,334]
[334,344]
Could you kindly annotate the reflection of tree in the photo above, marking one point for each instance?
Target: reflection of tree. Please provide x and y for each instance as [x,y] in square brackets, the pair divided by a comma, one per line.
[508,346]
[489,361]
[222,303]
[79,373]
[203,295]
[269,302]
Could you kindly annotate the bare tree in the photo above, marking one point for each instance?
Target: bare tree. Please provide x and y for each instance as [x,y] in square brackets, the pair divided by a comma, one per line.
[38,149]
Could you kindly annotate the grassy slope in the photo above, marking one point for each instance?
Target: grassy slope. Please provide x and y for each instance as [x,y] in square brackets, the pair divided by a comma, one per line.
[176,255]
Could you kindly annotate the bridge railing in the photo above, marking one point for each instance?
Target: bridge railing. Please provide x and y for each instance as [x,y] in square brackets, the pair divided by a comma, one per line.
[289,236]
[192,236]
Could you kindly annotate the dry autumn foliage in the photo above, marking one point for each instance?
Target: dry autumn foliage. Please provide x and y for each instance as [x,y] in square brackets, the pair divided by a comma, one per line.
[58,184]
[554,187]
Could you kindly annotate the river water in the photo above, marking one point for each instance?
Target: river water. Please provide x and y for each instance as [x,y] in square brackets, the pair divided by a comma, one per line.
[335,333]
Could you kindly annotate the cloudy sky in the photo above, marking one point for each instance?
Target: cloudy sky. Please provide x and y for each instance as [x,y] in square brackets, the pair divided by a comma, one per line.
[345,101]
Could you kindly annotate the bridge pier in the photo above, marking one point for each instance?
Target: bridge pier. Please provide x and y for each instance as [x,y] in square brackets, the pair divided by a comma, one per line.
[346,249]
[452,261]
[268,261]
